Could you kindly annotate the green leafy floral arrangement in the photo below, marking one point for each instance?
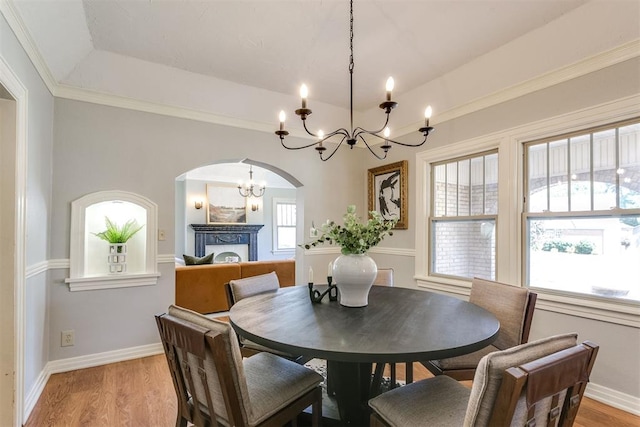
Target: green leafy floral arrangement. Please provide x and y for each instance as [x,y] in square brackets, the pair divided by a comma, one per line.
[354,237]
[117,234]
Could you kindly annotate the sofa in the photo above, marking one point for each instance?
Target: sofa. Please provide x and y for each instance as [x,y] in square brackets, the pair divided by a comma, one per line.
[201,288]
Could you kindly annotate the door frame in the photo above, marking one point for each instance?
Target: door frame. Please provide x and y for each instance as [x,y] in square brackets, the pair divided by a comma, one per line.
[14,86]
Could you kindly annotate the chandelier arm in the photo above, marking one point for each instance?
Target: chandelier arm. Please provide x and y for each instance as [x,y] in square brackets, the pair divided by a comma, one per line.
[334,150]
[405,144]
[304,124]
[297,148]
[359,130]
[371,150]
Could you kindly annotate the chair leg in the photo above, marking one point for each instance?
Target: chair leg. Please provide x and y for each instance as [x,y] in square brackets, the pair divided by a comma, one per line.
[392,368]
[376,381]
[181,421]
[408,373]
[316,410]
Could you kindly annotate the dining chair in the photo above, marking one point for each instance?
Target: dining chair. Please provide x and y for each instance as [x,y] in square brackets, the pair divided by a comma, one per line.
[215,385]
[384,277]
[539,383]
[239,289]
[512,305]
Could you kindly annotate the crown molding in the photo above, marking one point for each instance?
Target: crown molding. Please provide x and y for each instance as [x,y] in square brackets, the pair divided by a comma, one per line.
[18,27]
[592,64]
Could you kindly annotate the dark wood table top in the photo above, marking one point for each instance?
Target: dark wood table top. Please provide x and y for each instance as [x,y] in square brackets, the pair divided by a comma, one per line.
[398,325]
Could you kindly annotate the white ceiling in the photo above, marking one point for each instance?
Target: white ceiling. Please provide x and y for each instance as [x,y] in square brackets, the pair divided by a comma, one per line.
[277,45]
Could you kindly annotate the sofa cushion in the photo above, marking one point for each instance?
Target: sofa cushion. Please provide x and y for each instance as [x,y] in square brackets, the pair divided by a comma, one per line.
[194,260]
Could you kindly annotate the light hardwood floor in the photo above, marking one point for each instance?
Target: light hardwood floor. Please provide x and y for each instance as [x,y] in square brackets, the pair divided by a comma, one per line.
[140,393]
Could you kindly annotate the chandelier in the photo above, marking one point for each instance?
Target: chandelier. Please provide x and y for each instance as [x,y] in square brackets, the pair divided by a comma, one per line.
[352,136]
[250,189]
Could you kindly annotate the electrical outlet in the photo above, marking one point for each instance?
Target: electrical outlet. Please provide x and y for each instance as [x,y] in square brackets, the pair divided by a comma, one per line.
[161,235]
[67,338]
[313,233]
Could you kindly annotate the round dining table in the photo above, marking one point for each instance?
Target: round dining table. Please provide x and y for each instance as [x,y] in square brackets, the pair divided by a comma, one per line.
[398,325]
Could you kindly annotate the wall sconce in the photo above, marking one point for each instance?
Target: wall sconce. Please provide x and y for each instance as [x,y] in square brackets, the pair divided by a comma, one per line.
[254,207]
[198,204]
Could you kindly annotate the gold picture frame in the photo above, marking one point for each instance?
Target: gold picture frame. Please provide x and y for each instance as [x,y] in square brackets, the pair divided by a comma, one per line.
[388,192]
[225,205]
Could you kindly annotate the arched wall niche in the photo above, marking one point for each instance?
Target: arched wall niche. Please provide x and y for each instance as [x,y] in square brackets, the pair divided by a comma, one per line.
[89,255]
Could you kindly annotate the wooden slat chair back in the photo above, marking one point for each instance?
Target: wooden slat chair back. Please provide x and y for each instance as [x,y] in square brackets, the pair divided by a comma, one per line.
[513,306]
[215,386]
[551,387]
[534,384]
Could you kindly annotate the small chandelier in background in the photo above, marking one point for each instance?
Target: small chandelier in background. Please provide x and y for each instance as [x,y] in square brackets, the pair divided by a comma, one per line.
[354,134]
[250,189]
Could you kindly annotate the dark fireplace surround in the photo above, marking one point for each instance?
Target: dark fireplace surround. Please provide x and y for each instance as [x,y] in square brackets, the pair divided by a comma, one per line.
[227,234]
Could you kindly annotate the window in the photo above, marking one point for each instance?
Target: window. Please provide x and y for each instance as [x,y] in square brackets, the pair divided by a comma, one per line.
[582,212]
[284,236]
[464,209]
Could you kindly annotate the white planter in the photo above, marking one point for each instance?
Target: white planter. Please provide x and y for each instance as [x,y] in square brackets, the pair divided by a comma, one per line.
[117,258]
[354,275]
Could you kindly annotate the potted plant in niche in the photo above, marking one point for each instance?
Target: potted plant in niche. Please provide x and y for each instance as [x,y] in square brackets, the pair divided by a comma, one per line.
[354,271]
[117,237]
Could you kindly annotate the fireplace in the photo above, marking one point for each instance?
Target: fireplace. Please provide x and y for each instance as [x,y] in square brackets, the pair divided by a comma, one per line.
[227,234]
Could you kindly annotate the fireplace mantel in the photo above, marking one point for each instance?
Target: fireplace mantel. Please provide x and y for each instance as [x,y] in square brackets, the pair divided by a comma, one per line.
[227,234]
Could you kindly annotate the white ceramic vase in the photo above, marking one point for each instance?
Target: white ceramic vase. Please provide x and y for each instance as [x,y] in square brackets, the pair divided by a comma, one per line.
[354,275]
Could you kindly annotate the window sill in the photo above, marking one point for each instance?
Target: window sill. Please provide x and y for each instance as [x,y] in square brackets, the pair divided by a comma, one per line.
[110,282]
[283,252]
[620,312]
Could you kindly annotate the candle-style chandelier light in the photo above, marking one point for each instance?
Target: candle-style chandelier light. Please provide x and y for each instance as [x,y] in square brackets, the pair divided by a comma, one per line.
[354,134]
[250,189]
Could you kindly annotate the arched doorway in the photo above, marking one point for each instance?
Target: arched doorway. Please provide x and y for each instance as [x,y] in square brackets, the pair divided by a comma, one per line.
[200,191]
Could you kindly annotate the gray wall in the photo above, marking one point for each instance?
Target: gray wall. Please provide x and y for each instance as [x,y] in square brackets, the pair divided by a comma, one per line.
[144,153]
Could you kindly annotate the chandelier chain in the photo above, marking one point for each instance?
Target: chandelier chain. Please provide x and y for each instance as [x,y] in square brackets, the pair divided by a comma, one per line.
[351,38]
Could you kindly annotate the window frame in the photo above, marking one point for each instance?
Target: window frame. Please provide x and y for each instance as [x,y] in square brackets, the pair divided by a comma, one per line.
[509,230]
[593,213]
[432,219]
[275,226]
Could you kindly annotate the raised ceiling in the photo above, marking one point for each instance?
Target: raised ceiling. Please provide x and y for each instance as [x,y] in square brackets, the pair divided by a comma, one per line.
[239,59]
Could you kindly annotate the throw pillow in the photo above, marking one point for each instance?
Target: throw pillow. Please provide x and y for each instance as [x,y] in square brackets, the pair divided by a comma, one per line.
[193,260]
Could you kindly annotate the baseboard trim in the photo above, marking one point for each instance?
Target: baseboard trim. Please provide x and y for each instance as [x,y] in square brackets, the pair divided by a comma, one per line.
[81,362]
[611,397]
[34,394]
[98,359]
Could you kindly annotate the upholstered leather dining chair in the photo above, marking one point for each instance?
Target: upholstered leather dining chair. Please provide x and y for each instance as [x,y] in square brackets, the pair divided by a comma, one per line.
[512,305]
[536,384]
[240,289]
[215,385]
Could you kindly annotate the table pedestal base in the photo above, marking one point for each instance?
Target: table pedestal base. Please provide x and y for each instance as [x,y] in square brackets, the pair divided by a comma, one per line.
[352,383]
